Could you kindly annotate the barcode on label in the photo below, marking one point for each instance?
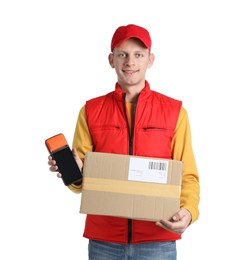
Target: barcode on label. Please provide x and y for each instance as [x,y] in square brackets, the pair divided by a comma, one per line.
[160,166]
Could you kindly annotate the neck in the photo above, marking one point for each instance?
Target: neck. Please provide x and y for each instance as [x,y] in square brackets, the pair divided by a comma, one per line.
[132,92]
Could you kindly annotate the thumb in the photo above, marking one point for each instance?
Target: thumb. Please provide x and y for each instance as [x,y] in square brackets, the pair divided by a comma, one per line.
[77,158]
[75,153]
[176,217]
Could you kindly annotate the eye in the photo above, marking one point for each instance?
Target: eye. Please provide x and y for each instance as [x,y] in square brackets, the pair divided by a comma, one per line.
[122,55]
[139,55]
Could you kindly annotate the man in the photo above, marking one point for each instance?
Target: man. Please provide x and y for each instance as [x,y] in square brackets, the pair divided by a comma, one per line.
[135,120]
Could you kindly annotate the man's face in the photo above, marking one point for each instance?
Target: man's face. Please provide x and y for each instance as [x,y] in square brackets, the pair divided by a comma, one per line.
[131,60]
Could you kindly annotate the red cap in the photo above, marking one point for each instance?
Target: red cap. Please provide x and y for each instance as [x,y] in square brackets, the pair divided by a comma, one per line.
[130,31]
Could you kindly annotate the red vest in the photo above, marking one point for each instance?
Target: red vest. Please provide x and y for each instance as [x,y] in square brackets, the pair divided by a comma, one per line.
[156,117]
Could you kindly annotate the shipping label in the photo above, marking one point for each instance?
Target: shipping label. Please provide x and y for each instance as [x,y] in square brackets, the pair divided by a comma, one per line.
[148,170]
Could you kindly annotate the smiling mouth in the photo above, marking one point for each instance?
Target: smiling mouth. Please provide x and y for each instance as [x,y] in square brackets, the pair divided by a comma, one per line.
[130,72]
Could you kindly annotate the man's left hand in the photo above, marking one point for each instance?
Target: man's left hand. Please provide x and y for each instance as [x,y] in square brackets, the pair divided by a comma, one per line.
[178,223]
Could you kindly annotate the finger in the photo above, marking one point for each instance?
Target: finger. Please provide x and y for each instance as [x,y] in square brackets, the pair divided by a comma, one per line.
[77,158]
[53,168]
[51,162]
[172,227]
[50,159]
[165,223]
[176,217]
[170,224]
[59,175]
[159,224]
[75,153]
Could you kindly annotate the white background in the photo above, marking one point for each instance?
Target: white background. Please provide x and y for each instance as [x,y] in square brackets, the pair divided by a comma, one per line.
[53,57]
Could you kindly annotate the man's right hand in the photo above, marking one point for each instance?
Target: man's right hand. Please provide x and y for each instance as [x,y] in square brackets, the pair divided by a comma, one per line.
[54,168]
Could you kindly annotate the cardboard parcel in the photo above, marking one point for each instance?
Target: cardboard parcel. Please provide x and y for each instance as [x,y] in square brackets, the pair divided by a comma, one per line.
[130,186]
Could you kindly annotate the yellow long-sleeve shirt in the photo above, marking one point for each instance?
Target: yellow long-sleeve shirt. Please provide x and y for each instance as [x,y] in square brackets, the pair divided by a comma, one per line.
[181,149]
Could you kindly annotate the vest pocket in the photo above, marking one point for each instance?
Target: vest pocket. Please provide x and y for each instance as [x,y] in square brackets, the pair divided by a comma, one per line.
[156,128]
[107,138]
[105,128]
[156,141]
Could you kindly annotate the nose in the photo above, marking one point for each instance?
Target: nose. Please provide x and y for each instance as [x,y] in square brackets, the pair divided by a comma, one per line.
[130,60]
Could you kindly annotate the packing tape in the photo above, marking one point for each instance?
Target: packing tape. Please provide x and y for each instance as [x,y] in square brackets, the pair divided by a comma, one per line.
[131,187]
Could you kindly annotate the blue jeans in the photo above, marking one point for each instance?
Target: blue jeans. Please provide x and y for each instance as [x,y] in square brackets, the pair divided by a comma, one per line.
[145,251]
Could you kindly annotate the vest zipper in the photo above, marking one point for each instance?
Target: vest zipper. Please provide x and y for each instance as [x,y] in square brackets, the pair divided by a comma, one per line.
[131,137]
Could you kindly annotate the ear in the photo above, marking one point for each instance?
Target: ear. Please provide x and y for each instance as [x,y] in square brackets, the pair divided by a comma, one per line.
[151,60]
[111,60]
